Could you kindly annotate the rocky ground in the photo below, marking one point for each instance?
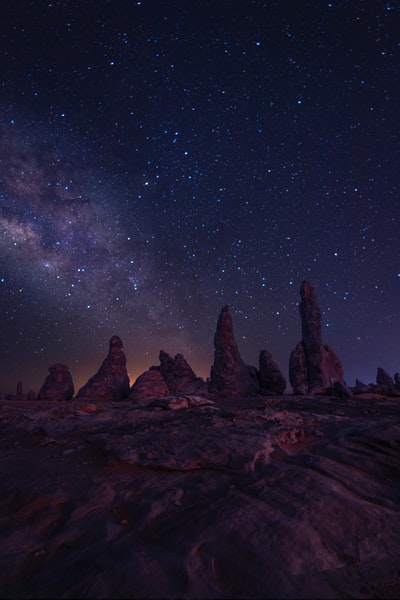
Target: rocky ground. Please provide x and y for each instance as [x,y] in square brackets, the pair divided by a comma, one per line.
[188,497]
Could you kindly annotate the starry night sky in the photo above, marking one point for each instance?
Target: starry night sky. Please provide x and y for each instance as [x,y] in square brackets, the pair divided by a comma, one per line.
[161,158]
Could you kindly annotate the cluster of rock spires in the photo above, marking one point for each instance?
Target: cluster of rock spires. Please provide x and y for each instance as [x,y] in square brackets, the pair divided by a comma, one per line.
[314,368]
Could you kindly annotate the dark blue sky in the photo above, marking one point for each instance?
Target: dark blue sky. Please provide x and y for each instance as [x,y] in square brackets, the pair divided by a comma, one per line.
[160,159]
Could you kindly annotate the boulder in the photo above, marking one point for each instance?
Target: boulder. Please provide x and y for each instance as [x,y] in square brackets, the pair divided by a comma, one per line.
[111,382]
[230,376]
[150,385]
[58,384]
[270,376]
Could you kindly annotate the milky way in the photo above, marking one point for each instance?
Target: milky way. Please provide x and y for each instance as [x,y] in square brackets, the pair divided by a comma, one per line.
[160,159]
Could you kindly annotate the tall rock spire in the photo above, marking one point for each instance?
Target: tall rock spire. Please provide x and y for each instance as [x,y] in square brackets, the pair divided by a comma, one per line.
[313,366]
[230,376]
[111,382]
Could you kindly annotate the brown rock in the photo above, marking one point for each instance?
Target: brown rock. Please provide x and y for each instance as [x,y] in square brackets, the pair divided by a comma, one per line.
[383,378]
[150,385]
[271,379]
[320,368]
[298,374]
[111,382]
[58,385]
[178,374]
[230,376]
[239,499]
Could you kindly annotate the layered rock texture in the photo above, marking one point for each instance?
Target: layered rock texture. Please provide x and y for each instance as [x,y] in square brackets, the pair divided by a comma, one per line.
[230,376]
[313,366]
[58,384]
[111,382]
[268,497]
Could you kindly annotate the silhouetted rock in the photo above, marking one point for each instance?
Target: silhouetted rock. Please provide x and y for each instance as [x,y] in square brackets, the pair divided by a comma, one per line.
[319,369]
[20,393]
[341,390]
[270,376]
[230,376]
[149,386]
[397,380]
[31,395]
[111,382]
[178,375]
[360,384]
[383,378]
[58,385]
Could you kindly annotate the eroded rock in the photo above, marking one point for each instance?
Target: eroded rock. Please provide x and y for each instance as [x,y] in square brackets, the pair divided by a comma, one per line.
[179,375]
[111,381]
[149,386]
[270,376]
[230,376]
[313,366]
[58,384]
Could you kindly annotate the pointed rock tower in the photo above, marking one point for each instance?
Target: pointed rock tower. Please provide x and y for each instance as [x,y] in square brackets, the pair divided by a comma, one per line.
[111,382]
[313,367]
[230,376]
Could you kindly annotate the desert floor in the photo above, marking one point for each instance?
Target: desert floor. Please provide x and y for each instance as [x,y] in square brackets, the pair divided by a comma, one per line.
[265,497]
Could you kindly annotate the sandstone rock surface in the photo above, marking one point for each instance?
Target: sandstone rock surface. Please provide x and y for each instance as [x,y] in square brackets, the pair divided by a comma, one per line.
[58,384]
[268,497]
[111,382]
[230,376]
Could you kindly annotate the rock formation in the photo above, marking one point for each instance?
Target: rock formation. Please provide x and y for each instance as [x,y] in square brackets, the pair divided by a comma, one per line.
[313,367]
[298,374]
[230,376]
[20,393]
[397,380]
[150,385]
[58,385]
[111,382]
[270,376]
[178,374]
[383,378]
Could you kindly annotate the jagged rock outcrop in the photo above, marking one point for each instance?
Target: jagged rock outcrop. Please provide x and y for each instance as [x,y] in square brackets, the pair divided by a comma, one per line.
[178,375]
[270,376]
[111,382]
[150,385]
[313,366]
[230,376]
[58,384]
